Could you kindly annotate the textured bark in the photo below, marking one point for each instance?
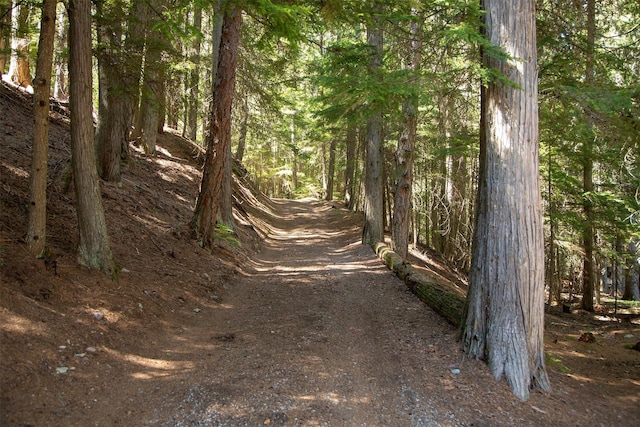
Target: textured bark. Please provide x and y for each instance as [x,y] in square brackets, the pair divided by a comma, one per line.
[505,317]
[150,101]
[217,160]
[373,231]
[112,129]
[151,97]
[132,69]
[37,226]
[93,245]
[402,196]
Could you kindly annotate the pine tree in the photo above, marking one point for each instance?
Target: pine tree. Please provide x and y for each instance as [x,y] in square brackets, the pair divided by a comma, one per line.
[37,228]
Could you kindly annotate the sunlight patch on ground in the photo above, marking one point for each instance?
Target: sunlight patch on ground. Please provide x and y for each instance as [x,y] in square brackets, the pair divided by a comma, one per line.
[158,367]
[296,270]
[346,267]
[334,398]
[19,172]
[580,378]
[14,323]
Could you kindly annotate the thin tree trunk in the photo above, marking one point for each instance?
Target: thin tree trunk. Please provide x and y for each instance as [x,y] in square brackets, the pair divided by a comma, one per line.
[373,231]
[588,277]
[19,68]
[132,71]
[244,126]
[37,227]
[61,86]
[405,152]
[332,168]
[505,315]
[625,269]
[349,176]
[93,245]
[6,13]
[555,290]
[194,78]
[210,200]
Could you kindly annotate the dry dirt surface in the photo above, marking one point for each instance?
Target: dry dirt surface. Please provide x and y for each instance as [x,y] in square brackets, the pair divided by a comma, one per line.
[290,322]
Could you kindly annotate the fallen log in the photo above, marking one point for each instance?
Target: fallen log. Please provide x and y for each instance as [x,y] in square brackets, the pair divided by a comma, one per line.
[446,303]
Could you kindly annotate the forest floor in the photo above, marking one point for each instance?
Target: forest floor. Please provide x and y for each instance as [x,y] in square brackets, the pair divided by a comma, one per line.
[290,322]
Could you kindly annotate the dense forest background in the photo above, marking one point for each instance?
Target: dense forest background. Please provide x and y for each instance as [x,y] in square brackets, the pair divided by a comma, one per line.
[304,86]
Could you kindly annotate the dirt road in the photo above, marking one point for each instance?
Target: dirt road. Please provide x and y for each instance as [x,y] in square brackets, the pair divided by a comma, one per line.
[313,330]
[320,333]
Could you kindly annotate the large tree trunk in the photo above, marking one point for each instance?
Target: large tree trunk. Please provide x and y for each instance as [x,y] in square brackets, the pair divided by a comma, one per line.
[225,209]
[373,231]
[151,98]
[505,317]
[93,245]
[402,197]
[132,70]
[217,161]
[112,130]
[37,228]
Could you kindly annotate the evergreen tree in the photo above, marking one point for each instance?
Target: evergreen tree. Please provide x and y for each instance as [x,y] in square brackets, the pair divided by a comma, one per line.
[210,199]
[94,249]
[37,229]
[505,318]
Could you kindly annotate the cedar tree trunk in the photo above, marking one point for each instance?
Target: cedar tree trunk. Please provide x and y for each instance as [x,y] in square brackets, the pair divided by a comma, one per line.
[93,245]
[505,314]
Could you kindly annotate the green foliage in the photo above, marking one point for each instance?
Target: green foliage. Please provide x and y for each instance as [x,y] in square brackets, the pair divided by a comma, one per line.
[281,20]
[226,234]
[596,121]
[556,363]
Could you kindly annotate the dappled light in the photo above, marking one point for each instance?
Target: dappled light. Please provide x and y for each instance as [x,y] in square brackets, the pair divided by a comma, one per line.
[237,157]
